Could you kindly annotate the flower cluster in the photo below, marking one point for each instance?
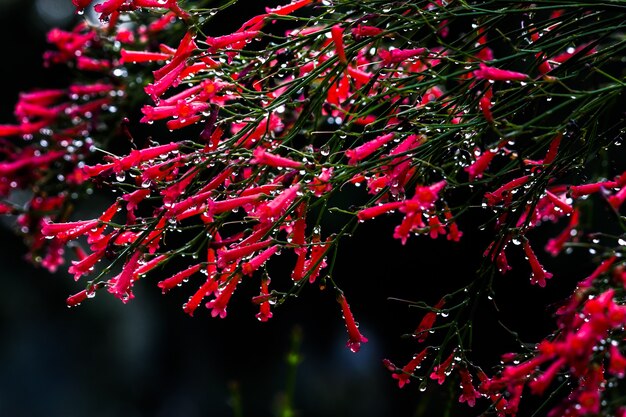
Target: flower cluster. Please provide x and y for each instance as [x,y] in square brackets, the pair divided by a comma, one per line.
[267,127]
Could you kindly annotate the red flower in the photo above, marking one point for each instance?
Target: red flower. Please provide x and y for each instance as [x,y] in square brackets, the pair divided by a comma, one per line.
[485,105]
[177,279]
[469,394]
[262,157]
[227,256]
[234,40]
[443,369]
[336,33]
[421,333]
[496,74]
[265,313]
[498,195]
[365,150]
[617,364]
[76,299]
[404,376]
[539,275]
[371,212]
[120,286]
[555,245]
[355,338]
[255,263]
[396,56]
[219,304]
[365,31]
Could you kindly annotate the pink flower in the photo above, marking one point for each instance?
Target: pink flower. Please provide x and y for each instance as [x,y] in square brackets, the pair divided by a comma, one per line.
[209,287]
[336,33]
[264,313]
[371,212]
[396,56]
[442,370]
[120,286]
[219,304]
[495,74]
[469,394]
[541,383]
[274,208]
[255,263]
[427,322]
[365,31]
[404,376]
[262,157]
[355,338]
[361,152]
[555,245]
[498,195]
[76,299]
[485,106]
[85,265]
[177,279]
[227,256]
[539,275]
[234,40]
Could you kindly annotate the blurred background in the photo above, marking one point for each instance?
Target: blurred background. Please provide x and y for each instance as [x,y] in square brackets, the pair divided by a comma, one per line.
[148,358]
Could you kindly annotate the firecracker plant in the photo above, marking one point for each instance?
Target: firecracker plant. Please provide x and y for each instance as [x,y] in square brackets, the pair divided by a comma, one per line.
[427,113]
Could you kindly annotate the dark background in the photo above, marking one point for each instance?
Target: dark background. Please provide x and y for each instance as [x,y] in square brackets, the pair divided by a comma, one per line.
[148,358]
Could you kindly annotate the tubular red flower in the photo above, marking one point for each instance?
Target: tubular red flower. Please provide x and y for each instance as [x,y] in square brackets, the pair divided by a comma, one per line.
[264,313]
[85,265]
[601,269]
[422,331]
[120,286]
[255,263]
[68,231]
[371,212]
[361,152]
[586,189]
[317,261]
[209,287]
[396,56]
[232,40]
[541,383]
[555,245]
[469,394]
[178,278]
[443,369]
[539,275]
[149,266]
[496,74]
[498,195]
[133,199]
[76,299]
[408,369]
[272,209]
[617,199]
[262,157]
[562,205]
[485,105]
[365,31]
[336,33]
[227,256]
[135,57]
[355,338]
[219,304]
[553,149]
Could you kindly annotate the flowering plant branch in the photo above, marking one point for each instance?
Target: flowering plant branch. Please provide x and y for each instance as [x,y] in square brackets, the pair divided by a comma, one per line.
[429,112]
